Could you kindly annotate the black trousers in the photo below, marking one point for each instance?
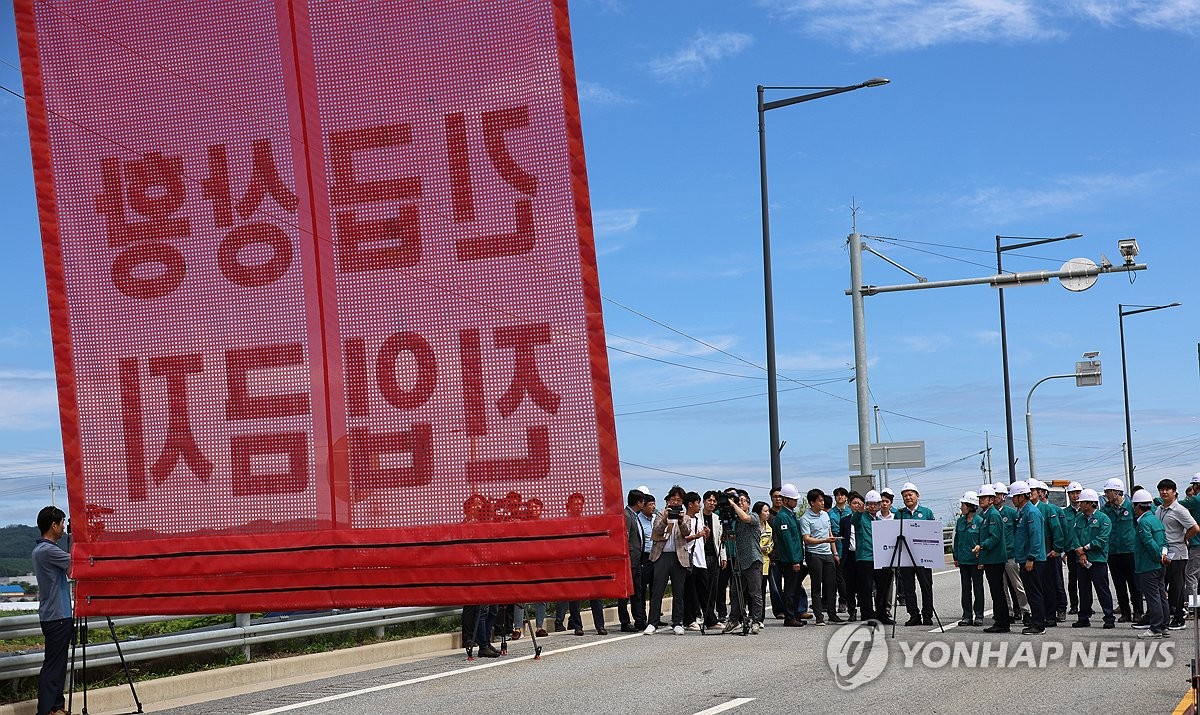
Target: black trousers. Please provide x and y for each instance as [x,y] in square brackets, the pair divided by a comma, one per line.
[848,573]
[823,581]
[668,568]
[1096,576]
[996,585]
[791,583]
[710,593]
[1073,578]
[870,597]
[1125,584]
[1033,581]
[647,580]
[909,577]
[721,600]
[696,602]
[53,676]
[574,617]
[1175,595]
[1051,569]
[635,602]
[970,580]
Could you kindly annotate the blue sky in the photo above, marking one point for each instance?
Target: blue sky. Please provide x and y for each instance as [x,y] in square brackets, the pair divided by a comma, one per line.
[1010,117]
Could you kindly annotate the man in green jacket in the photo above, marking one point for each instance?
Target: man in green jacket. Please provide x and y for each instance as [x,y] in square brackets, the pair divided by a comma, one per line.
[1053,590]
[1071,514]
[1017,599]
[789,552]
[1092,533]
[1119,510]
[873,584]
[966,560]
[992,552]
[1149,561]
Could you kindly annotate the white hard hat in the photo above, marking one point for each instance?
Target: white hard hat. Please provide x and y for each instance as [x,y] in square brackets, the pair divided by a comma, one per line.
[1196,478]
[970,498]
[1114,483]
[1089,495]
[644,489]
[789,491]
[888,491]
[909,487]
[1142,496]
[872,496]
[1000,487]
[987,491]
[1074,487]
[1018,488]
[1035,483]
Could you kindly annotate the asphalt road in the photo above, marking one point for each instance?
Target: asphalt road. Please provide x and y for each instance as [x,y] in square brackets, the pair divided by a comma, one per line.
[779,670]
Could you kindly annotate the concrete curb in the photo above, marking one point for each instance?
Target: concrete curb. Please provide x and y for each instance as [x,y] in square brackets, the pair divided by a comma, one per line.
[177,690]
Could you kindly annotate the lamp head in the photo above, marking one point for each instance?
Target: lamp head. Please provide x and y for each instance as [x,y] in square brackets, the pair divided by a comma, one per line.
[876,82]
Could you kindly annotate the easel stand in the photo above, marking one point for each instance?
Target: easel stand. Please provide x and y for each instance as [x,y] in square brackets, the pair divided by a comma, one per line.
[894,566]
[81,640]
[528,625]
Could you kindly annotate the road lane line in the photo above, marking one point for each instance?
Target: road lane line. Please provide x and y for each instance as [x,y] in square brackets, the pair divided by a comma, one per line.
[507,660]
[987,614]
[736,702]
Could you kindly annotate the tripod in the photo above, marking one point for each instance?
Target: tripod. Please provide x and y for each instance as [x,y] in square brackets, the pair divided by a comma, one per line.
[745,611]
[894,566]
[81,639]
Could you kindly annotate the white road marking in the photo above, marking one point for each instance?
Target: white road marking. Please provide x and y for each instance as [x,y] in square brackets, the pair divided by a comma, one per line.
[987,614]
[736,702]
[507,660]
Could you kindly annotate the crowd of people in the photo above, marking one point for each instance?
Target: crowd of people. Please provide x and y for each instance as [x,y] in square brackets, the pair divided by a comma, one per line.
[811,558]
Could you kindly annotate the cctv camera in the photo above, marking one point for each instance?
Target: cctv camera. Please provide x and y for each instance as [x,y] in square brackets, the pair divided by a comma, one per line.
[1128,248]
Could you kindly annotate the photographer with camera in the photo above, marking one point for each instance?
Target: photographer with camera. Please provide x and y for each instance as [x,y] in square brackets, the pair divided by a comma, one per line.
[669,554]
[746,567]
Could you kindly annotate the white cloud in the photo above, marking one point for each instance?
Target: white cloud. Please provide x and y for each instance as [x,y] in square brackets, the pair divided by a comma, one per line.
[610,221]
[1001,204]
[904,24]
[594,93]
[28,400]
[697,57]
[888,25]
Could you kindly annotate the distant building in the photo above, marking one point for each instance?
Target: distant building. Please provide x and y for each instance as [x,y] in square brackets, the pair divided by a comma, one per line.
[11,592]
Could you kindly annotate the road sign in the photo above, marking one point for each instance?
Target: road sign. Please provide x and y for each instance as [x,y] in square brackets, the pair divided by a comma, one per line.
[891,455]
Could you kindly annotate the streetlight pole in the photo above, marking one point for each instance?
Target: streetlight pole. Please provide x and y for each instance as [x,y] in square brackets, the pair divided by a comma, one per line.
[1121,314]
[1026,242]
[772,381]
[1087,374]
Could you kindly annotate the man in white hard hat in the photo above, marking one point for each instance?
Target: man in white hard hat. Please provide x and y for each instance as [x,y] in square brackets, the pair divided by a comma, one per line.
[873,584]
[1030,552]
[1017,601]
[1092,533]
[788,555]
[910,576]
[1054,591]
[1119,510]
[992,553]
[1149,561]
[967,534]
[1071,515]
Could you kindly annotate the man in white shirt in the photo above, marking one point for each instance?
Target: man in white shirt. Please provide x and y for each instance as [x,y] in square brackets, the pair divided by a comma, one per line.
[1179,527]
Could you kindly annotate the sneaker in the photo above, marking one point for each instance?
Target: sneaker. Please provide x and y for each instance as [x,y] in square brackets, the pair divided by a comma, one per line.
[1142,624]
[650,629]
[755,628]
[977,622]
[718,626]
[730,627]
[761,625]
[820,621]
[1148,634]
[833,618]
[693,626]
[966,622]
[1177,625]
[679,630]
[1033,631]
[1061,615]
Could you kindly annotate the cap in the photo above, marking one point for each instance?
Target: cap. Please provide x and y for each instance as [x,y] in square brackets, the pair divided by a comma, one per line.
[1142,496]
[1018,488]
[986,491]
[1074,487]
[872,496]
[1114,483]
[1000,487]
[1089,495]
[970,498]
[644,489]
[789,491]
[909,487]
[1196,478]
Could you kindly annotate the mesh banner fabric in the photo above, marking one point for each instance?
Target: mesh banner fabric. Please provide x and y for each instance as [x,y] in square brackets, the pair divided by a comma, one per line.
[323,292]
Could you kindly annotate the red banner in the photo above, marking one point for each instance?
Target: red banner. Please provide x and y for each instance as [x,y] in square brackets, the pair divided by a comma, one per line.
[323,292]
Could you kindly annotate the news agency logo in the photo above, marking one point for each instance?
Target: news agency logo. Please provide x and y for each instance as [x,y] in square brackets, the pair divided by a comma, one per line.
[857,653]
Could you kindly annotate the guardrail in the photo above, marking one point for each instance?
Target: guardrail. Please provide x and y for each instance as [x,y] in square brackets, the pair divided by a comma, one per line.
[242,633]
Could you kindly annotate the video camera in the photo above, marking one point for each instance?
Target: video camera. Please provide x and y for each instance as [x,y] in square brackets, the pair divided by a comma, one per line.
[725,506]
